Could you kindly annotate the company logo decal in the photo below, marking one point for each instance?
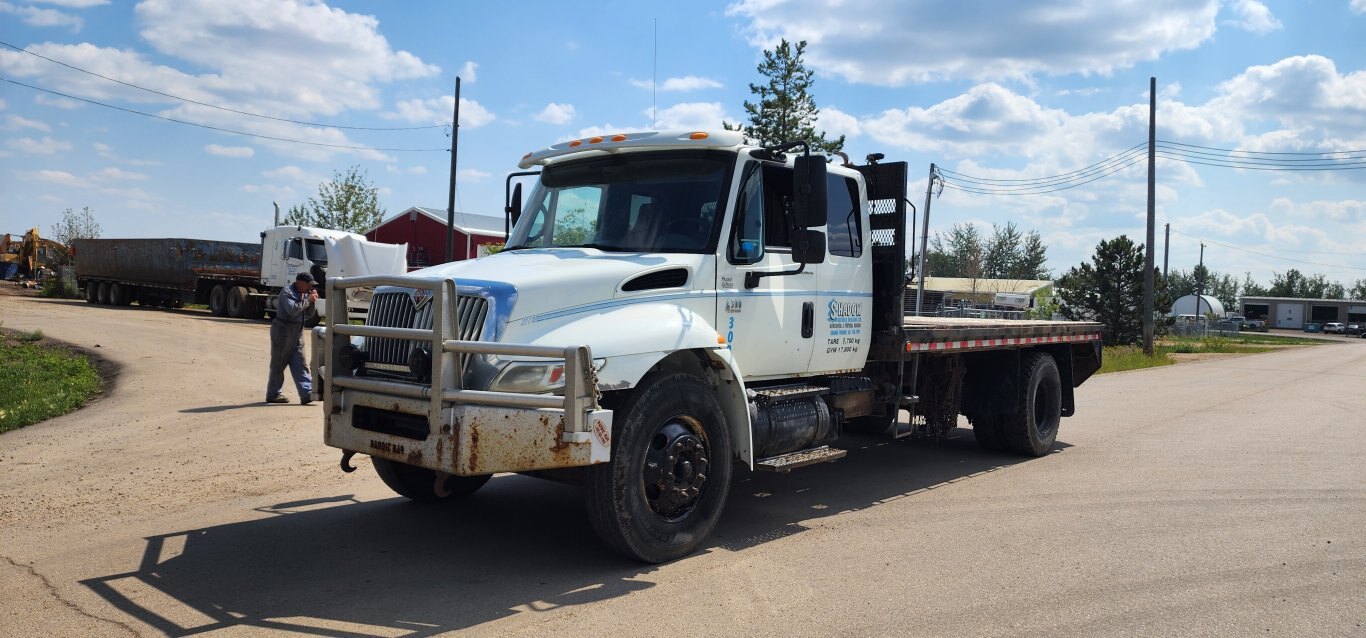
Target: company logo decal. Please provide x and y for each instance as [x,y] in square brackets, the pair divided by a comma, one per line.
[420,296]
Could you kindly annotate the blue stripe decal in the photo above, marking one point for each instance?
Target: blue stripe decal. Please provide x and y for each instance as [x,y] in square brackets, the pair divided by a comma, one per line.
[699,294]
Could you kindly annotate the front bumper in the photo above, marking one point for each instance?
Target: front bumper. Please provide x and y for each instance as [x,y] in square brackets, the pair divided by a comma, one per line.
[443,427]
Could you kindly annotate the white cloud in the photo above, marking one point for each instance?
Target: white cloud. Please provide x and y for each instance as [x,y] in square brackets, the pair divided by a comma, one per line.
[1359,6]
[45,146]
[1019,39]
[835,123]
[107,152]
[556,113]
[468,72]
[417,170]
[294,174]
[472,175]
[273,190]
[62,178]
[56,102]
[1253,16]
[37,17]
[691,116]
[75,4]
[298,59]
[113,173]
[685,83]
[229,151]
[1348,210]
[438,111]
[15,122]
[3,104]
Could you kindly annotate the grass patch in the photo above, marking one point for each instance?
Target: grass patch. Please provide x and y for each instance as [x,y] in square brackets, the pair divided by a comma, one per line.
[39,381]
[1121,358]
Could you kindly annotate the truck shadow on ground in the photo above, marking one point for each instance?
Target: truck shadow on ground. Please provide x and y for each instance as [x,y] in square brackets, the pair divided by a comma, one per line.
[338,566]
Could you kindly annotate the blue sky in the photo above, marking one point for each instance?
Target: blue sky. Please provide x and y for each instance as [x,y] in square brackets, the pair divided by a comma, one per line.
[1002,90]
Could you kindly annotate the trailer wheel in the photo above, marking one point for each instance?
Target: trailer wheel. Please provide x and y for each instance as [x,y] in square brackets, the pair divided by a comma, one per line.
[663,491]
[218,301]
[102,294]
[237,302]
[1033,427]
[990,433]
[92,292]
[419,483]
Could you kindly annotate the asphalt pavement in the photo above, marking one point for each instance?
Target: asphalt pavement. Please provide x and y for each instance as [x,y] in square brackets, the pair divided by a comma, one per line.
[1224,497]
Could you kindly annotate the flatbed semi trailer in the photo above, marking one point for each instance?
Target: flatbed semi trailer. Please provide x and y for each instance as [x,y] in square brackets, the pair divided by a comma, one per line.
[669,306]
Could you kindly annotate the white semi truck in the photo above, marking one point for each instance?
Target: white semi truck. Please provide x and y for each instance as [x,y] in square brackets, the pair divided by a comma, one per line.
[669,306]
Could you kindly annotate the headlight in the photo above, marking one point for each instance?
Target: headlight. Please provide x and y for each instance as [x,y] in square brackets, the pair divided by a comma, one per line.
[534,377]
[530,377]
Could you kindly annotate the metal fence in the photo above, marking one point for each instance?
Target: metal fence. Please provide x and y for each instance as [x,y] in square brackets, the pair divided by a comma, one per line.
[1202,329]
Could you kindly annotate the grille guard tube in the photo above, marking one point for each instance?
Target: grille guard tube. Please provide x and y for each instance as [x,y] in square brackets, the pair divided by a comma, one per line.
[579,408]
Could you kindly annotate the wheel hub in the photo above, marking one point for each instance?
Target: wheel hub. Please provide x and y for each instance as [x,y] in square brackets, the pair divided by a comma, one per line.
[675,470]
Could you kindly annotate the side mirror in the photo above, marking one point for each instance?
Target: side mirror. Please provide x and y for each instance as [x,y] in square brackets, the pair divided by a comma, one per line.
[514,206]
[810,246]
[808,191]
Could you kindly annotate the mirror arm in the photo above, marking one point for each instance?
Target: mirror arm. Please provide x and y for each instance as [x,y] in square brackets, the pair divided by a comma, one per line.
[752,277]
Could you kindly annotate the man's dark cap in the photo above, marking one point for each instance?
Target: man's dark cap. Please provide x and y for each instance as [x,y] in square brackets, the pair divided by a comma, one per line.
[304,277]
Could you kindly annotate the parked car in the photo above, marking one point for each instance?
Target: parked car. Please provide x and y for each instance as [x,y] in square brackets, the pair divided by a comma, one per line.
[1254,325]
[1334,327]
[1313,327]
[1354,328]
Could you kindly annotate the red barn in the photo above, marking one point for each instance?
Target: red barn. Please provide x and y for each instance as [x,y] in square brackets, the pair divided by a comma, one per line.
[424,230]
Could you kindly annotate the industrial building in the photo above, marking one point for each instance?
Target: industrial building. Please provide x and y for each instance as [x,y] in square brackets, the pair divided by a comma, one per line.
[1286,312]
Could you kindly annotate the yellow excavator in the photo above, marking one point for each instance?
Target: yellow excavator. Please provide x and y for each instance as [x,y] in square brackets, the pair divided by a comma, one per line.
[28,252]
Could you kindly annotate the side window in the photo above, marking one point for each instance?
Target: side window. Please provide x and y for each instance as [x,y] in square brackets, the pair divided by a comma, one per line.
[294,249]
[747,236]
[844,233]
[777,194]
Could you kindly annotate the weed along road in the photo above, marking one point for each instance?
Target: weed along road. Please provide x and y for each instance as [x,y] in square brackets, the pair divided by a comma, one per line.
[1222,497]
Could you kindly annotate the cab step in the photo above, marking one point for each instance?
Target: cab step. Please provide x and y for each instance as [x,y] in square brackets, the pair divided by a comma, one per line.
[765,396]
[787,462]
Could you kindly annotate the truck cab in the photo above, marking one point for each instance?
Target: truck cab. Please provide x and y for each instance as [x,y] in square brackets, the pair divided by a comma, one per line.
[287,251]
[668,305]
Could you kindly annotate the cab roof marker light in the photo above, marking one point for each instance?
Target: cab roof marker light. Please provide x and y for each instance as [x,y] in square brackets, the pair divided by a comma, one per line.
[575,143]
[595,140]
[618,138]
[698,135]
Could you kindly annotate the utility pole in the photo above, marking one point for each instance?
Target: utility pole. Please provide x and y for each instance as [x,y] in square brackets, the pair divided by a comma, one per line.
[924,243]
[1148,283]
[1200,283]
[1166,251]
[450,198]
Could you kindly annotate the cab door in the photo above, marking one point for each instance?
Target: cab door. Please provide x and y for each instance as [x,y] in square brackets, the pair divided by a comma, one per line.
[844,297]
[768,327]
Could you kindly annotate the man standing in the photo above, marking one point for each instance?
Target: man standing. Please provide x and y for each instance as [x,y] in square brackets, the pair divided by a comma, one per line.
[293,305]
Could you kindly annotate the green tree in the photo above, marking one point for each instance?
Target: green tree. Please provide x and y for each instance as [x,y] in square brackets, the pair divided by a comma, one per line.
[1358,290]
[1108,290]
[347,202]
[959,254]
[1010,254]
[71,227]
[1251,288]
[786,111]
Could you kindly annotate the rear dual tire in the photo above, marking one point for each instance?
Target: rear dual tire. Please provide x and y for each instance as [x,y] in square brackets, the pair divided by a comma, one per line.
[1031,428]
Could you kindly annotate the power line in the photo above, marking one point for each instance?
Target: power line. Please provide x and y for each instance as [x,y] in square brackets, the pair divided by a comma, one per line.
[1033,190]
[1180,148]
[1063,177]
[1231,150]
[223,130]
[1255,252]
[221,108]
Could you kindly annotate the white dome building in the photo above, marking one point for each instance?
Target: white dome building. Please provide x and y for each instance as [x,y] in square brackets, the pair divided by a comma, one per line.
[1187,306]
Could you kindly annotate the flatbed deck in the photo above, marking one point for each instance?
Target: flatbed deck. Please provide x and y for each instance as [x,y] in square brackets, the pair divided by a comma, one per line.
[958,333]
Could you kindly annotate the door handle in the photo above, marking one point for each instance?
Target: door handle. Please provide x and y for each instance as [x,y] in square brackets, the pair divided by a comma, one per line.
[808,319]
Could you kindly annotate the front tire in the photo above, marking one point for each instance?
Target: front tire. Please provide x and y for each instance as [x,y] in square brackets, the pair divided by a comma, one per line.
[666,485]
[1033,427]
[419,483]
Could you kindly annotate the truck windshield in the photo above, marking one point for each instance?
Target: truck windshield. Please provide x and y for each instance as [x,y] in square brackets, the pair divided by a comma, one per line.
[637,202]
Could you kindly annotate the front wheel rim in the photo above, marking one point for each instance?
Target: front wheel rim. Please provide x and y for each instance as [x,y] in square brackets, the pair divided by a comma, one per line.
[676,466]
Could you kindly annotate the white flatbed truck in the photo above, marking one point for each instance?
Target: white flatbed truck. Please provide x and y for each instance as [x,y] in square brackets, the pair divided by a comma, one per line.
[670,305]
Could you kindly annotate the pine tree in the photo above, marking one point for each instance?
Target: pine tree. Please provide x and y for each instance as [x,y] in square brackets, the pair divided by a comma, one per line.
[786,111]
[1109,290]
[348,202]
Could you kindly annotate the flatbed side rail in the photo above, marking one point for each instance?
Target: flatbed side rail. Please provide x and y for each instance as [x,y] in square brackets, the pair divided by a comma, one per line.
[580,397]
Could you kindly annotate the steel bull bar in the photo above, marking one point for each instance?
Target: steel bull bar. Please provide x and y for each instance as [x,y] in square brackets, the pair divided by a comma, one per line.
[440,425]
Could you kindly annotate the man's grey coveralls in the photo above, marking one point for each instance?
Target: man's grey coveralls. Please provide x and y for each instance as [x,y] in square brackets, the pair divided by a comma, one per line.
[287,344]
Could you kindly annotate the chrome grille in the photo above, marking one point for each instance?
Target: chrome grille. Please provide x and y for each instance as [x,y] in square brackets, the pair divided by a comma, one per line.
[395,310]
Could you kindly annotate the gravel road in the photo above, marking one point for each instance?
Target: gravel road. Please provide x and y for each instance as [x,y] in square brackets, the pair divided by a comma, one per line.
[1221,498]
